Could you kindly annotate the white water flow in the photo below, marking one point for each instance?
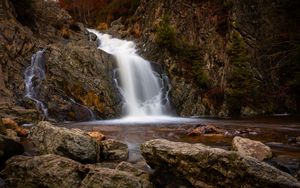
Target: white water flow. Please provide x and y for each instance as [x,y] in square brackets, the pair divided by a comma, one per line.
[141,87]
[34,75]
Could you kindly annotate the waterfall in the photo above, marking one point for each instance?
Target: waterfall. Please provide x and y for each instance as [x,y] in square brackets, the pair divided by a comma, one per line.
[34,75]
[143,90]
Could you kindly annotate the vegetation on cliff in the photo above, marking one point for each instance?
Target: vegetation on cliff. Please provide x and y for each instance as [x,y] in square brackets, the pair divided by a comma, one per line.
[95,12]
[241,87]
[167,37]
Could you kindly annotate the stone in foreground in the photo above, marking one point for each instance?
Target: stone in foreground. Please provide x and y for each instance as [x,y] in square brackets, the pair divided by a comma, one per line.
[204,166]
[251,148]
[56,172]
[114,150]
[74,144]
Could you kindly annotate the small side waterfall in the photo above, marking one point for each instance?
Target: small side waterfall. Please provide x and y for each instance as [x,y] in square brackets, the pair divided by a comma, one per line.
[142,88]
[34,75]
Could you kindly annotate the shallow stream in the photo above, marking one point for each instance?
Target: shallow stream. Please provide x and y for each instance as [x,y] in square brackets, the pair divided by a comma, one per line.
[278,132]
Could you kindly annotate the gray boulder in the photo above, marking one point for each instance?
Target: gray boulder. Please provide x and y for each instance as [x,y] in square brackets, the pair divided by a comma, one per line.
[204,166]
[251,148]
[55,171]
[71,143]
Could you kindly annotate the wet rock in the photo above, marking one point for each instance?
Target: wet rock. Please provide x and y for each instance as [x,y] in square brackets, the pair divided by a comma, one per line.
[96,135]
[252,148]
[114,150]
[248,131]
[74,144]
[204,166]
[280,165]
[93,36]
[56,171]
[206,130]
[9,148]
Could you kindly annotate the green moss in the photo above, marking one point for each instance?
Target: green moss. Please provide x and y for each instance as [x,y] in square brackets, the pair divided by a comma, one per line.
[167,37]
[201,77]
[241,85]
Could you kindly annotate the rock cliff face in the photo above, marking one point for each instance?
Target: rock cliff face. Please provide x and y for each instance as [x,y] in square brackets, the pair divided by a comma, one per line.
[223,57]
[77,74]
[183,36]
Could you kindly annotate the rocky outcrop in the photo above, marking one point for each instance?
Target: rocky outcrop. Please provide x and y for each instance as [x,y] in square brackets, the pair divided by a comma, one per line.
[9,148]
[252,148]
[78,76]
[83,79]
[194,42]
[56,171]
[204,166]
[15,47]
[193,50]
[74,143]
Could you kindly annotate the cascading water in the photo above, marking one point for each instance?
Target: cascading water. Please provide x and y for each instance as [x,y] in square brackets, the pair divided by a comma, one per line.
[34,75]
[141,87]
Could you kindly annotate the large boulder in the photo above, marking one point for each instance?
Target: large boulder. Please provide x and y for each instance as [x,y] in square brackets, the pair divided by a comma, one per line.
[72,143]
[204,166]
[251,148]
[9,148]
[55,171]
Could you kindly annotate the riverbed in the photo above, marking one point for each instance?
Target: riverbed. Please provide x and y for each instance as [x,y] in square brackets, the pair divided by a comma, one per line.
[278,132]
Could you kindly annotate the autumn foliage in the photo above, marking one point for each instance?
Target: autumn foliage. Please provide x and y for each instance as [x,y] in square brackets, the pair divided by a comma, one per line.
[93,12]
